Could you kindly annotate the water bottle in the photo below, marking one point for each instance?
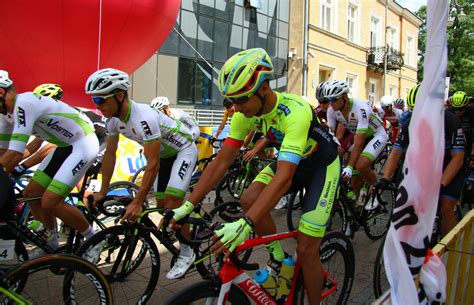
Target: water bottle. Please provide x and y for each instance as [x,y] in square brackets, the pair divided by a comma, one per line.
[285,277]
[266,281]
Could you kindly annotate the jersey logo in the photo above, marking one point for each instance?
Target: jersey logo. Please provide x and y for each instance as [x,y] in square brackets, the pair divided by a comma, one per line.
[21,117]
[364,114]
[146,128]
[55,126]
[172,140]
[285,109]
[376,144]
[78,167]
[183,169]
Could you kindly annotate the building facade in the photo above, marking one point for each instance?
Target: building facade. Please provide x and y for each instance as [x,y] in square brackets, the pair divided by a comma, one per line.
[205,34]
[371,44]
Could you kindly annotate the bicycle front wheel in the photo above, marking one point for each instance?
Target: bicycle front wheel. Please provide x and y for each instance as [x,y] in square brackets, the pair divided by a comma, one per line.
[337,256]
[377,221]
[59,279]
[132,280]
[380,281]
[207,292]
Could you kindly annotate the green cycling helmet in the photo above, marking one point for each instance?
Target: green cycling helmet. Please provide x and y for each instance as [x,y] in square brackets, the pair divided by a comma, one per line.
[244,72]
[52,90]
[412,96]
[459,99]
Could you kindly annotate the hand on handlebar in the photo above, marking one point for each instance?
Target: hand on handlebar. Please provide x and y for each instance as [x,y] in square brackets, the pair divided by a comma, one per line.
[230,235]
[249,155]
[177,214]
[382,184]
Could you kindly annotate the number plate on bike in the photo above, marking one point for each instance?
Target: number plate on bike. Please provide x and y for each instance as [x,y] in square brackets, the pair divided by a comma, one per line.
[94,185]
[7,249]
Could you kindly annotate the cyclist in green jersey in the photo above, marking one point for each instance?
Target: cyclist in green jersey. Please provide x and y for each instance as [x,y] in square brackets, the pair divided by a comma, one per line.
[308,158]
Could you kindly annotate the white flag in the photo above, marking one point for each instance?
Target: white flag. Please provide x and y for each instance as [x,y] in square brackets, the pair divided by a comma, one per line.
[413,216]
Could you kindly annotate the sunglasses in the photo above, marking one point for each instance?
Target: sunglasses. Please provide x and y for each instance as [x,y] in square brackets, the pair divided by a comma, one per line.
[332,99]
[240,100]
[98,100]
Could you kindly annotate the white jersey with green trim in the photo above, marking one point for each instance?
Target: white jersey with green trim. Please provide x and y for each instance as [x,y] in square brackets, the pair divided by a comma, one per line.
[187,120]
[361,119]
[145,125]
[43,117]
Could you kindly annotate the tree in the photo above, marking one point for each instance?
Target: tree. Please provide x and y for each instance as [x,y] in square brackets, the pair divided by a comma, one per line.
[460,49]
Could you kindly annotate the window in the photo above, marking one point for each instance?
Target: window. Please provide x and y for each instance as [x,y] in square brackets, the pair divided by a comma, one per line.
[351,22]
[393,38]
[195,82]
[374,31]
[409,55]
[186,81]
[393,91]
[372,91]
[326,14]
[351,80]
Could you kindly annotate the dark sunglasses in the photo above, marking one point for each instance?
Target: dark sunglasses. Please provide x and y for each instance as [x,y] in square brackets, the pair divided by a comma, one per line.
[240,100]
[332,99]
[98,100]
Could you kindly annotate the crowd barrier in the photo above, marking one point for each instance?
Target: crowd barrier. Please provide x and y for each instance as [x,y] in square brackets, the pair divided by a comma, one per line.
[456,250]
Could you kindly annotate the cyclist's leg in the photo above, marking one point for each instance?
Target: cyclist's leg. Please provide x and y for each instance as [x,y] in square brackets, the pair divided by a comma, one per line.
[317,205]
[371,151]
[449,196]
[162,180]
[68,173]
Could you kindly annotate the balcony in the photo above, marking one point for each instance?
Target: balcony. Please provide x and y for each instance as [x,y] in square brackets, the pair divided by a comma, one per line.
[375,59]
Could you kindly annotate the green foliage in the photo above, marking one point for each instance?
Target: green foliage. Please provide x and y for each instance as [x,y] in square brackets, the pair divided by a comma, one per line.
[460,49]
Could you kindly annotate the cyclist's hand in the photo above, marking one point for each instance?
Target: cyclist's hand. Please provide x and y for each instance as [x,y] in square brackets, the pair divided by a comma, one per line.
[230,235]
[134,210]
[19,170]
[98,197]
[249,155]
[347,173]
[177,214]
[382,184]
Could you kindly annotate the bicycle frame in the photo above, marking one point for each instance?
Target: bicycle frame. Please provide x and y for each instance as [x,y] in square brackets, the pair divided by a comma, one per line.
[231,274]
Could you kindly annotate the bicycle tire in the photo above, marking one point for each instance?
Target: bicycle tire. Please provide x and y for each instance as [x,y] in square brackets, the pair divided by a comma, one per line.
[333,243]
[380,217]
[379,277]
[291,209]
[40,274]
[225,212]
[232,186]
[138,176]
[206,291]
[142,272]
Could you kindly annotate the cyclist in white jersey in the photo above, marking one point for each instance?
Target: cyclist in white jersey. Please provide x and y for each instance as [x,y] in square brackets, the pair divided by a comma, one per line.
[370,136]
[28,114]
[390,114]
[161,103]
[167,145]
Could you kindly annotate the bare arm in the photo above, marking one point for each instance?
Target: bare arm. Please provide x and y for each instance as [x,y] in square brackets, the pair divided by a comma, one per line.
[32,147]
[248,138]
[392,163]
[453,167]
[359,140]
[213,173]
[273,191]
[222,125]
[10,159]
[37,157]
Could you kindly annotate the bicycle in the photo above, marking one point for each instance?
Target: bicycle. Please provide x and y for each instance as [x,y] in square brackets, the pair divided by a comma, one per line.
[127,253]
[233,285]
[41,280]
[241,174]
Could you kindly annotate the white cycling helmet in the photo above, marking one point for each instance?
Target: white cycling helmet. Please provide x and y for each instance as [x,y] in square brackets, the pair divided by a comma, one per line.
[399,102]
[335,89]
[320,92]
[386,101]
[5,81]
[159,103]
[106,80]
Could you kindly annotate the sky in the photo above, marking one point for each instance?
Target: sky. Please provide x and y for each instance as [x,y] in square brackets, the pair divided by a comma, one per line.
[412,5]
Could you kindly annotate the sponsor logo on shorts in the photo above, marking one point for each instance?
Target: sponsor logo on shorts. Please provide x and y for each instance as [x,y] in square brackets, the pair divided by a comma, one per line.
[376,144]
[183,169]
[78,167]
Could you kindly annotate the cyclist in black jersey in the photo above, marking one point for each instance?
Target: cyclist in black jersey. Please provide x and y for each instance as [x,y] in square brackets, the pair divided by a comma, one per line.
[452,179]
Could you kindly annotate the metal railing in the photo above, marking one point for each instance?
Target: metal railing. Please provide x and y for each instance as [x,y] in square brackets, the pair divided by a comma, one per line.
[456,250]
[205,117]
[376,55]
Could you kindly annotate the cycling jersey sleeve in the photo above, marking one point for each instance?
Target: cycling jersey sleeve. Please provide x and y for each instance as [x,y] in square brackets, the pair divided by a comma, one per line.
[362,119]
[296,129]
[240,126]
[25,115]
[331,117]
[150,128]
[403,140]
[111,127]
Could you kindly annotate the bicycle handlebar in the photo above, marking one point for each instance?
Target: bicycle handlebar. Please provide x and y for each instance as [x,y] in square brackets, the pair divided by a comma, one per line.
[111,206]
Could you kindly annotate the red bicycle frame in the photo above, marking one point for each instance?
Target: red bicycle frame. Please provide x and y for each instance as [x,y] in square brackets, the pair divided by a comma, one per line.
[231,274]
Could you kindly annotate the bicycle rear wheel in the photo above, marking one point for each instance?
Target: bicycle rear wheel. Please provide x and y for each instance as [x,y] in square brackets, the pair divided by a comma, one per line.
[232,185]
[207,292]
[377,221]
[380,281]
[337,256]
[131,281]
[59,279]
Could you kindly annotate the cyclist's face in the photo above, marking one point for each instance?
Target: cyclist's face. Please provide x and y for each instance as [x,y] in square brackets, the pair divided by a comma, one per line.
[108,106]
[250,107]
